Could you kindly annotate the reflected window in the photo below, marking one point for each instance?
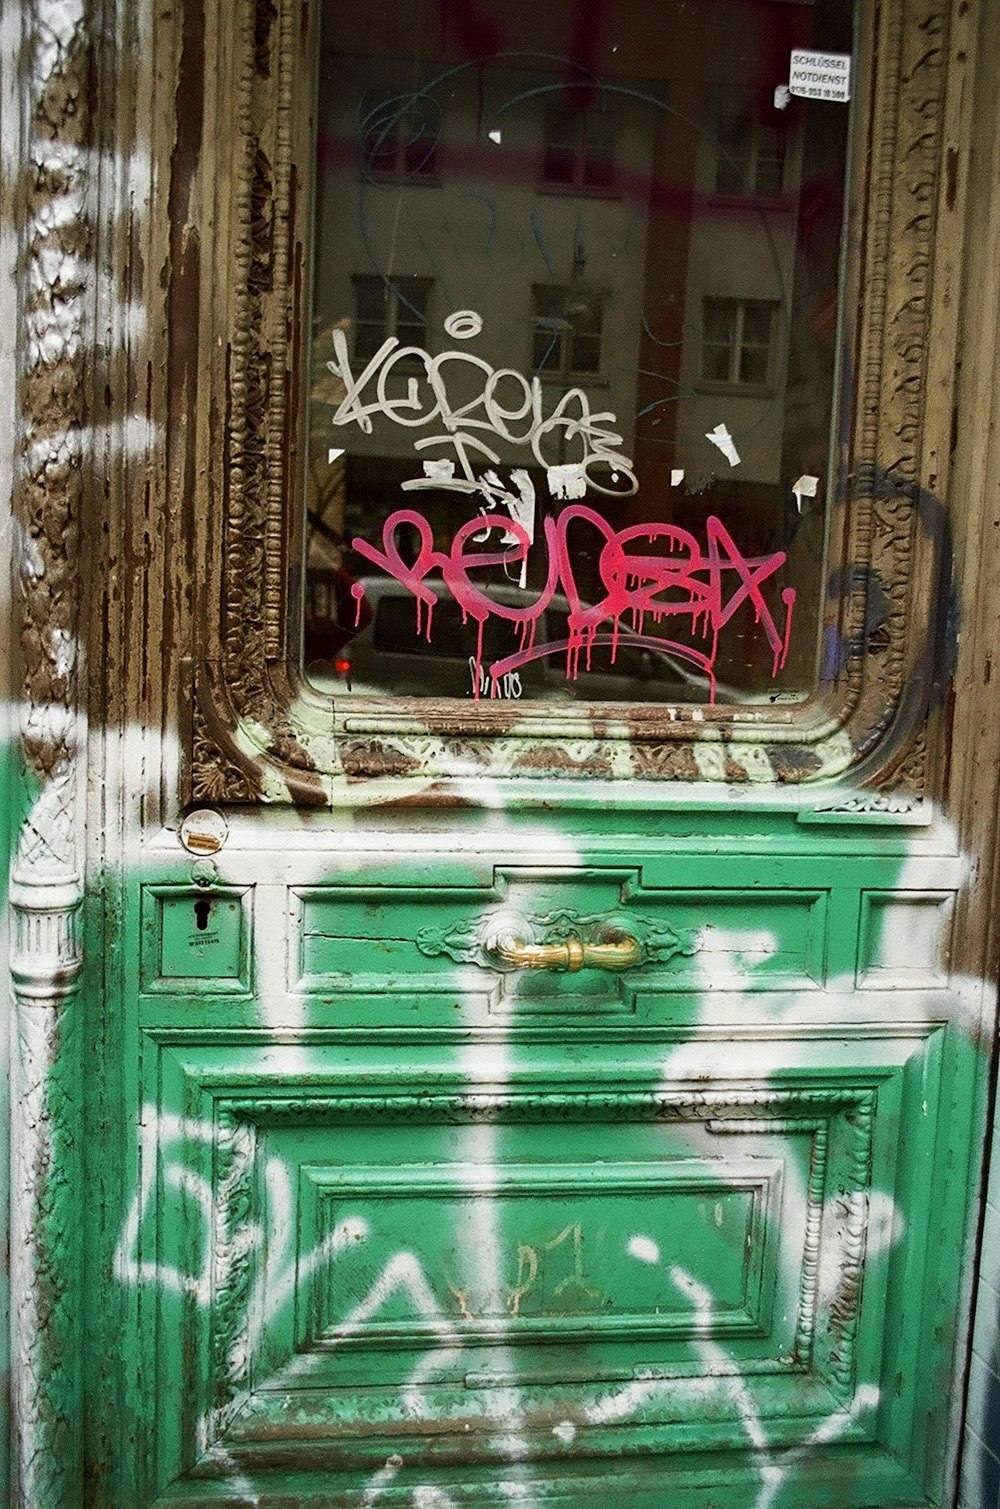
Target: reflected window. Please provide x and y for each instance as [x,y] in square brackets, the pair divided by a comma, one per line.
[383,307]
[578,142]
[738,342]
[750,158]
[567,326]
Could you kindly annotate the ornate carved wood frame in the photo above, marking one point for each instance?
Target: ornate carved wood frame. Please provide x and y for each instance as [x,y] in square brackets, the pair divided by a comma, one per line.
[258,732]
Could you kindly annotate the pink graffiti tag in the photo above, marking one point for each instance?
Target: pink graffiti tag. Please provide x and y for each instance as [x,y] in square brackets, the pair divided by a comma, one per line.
[684,583]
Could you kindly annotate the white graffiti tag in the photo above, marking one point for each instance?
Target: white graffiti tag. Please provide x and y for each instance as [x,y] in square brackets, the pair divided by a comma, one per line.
[508,406]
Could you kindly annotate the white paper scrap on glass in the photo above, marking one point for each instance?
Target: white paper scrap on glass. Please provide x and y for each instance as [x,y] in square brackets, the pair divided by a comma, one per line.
[568,480]
[805,487]
[820,75]
[723,441]
[522,509]
[676,476]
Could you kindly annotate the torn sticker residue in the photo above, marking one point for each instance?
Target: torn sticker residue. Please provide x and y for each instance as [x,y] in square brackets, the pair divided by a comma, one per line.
[723,441]
[439,471]
[568,480]
[519,503]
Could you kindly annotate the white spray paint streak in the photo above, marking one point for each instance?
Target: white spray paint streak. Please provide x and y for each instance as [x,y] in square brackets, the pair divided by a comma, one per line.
[237,1482]
[133,436]
[717,1364]
[385,1475]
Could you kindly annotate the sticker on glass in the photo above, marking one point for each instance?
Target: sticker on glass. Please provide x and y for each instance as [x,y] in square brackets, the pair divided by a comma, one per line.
[820,75]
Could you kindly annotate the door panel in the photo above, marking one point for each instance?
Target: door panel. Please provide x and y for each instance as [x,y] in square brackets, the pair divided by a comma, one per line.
[684,1266]
[418,1222]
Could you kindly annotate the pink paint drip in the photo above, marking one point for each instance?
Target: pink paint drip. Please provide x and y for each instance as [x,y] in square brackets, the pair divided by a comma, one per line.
[707,588]
[358,593]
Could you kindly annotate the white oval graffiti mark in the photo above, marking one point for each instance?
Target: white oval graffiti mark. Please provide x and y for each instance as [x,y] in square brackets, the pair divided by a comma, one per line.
[463,325]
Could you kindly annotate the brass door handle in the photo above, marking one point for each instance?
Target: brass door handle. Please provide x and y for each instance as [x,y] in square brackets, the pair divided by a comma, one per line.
[620,953]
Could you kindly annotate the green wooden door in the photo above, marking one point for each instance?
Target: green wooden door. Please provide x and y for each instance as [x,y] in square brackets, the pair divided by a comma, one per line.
[527,1033]
[423,1228]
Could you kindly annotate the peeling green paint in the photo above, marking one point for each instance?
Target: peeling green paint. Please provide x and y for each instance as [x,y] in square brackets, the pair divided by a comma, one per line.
[453,1226]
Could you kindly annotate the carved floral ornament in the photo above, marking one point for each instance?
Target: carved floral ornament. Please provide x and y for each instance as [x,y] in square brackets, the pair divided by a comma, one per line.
[258,731]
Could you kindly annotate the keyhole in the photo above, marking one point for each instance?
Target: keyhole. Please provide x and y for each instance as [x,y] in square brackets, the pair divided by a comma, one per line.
[202,911]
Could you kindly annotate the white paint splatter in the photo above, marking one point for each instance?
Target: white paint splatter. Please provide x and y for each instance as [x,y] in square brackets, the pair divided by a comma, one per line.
[644,1249]
[382,1479]
[62,651]
[32,560]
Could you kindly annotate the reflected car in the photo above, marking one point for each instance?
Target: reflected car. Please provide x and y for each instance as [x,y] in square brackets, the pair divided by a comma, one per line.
[396,651]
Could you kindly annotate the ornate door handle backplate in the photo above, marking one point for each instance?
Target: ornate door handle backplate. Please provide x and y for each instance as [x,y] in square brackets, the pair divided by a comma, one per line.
[570,955]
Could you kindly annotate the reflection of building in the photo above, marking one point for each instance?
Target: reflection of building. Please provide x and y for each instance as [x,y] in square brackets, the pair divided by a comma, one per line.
[740,266]
[518,223]
[626,230]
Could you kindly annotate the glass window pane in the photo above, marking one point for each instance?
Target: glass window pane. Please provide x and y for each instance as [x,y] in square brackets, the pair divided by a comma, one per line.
[720,321]
[617,279]
[367,340]
[753,364]
[380,151]
[716,362]
[420,155]
[370,296]
[586,355]
[546,350]
[756,324]
[598,170]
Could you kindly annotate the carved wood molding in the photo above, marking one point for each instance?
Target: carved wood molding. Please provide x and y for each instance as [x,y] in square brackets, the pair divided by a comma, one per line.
[890,557]
[825,1116]
[54,287]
